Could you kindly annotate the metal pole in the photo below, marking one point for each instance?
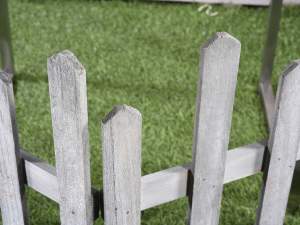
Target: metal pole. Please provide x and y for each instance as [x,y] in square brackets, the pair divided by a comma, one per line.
[268,60]
[5,40]
[267,91]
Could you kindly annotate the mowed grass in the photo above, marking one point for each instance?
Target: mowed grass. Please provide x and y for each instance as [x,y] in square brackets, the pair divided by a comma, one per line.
[145,55]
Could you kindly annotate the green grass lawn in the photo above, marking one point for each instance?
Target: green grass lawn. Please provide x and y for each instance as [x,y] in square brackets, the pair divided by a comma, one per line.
[145,55]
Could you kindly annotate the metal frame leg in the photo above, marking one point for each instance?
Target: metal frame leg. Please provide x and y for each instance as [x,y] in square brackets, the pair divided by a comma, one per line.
[267,91]
[268,60]
[5,40]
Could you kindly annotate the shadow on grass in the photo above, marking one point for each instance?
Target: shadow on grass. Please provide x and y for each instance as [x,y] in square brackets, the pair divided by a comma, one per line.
[23,76]
[165,91]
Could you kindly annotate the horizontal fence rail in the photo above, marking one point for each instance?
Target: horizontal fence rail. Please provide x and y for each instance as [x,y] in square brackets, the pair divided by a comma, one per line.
[159,187]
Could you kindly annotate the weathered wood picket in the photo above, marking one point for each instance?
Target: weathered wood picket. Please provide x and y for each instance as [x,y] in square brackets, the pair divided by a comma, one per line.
[67,88]
[125,192]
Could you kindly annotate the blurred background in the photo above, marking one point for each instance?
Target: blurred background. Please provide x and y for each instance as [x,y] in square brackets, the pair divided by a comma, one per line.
[145,54]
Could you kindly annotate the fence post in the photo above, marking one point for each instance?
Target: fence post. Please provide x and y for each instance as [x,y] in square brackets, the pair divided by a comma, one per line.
[265,83]
[121,132]
[67,87]
[216,89]
[5,39]
[12,200]
[284,146]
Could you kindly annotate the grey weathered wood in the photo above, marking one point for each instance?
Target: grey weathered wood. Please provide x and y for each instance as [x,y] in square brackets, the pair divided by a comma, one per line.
[41,177]
[156,188]
[268,60]
[171,184]
[237,2]
[216,90]
[12,200]
[5,40]
[284,145]
[121,132]
[67,87]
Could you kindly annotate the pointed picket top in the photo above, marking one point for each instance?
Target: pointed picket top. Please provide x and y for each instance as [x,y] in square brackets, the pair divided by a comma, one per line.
[120,109]
[289,78]
[221,38]
[121,141]
[65,62]
[291,70]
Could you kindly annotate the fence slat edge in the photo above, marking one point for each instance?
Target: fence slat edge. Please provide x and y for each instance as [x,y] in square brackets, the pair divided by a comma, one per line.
[216,91]
[121,136]
[12,198]
[284,146]
[67,88]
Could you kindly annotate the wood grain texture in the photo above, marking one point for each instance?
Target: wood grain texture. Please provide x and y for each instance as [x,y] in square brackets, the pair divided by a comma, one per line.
[12,201]
[67,87]
[237,2]
[42,178]
[284,145]
[171,184]
[121,132]
[216,90]
[156,188]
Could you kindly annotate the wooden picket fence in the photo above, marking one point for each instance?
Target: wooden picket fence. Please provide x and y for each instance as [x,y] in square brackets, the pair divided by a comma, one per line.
[125,192]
